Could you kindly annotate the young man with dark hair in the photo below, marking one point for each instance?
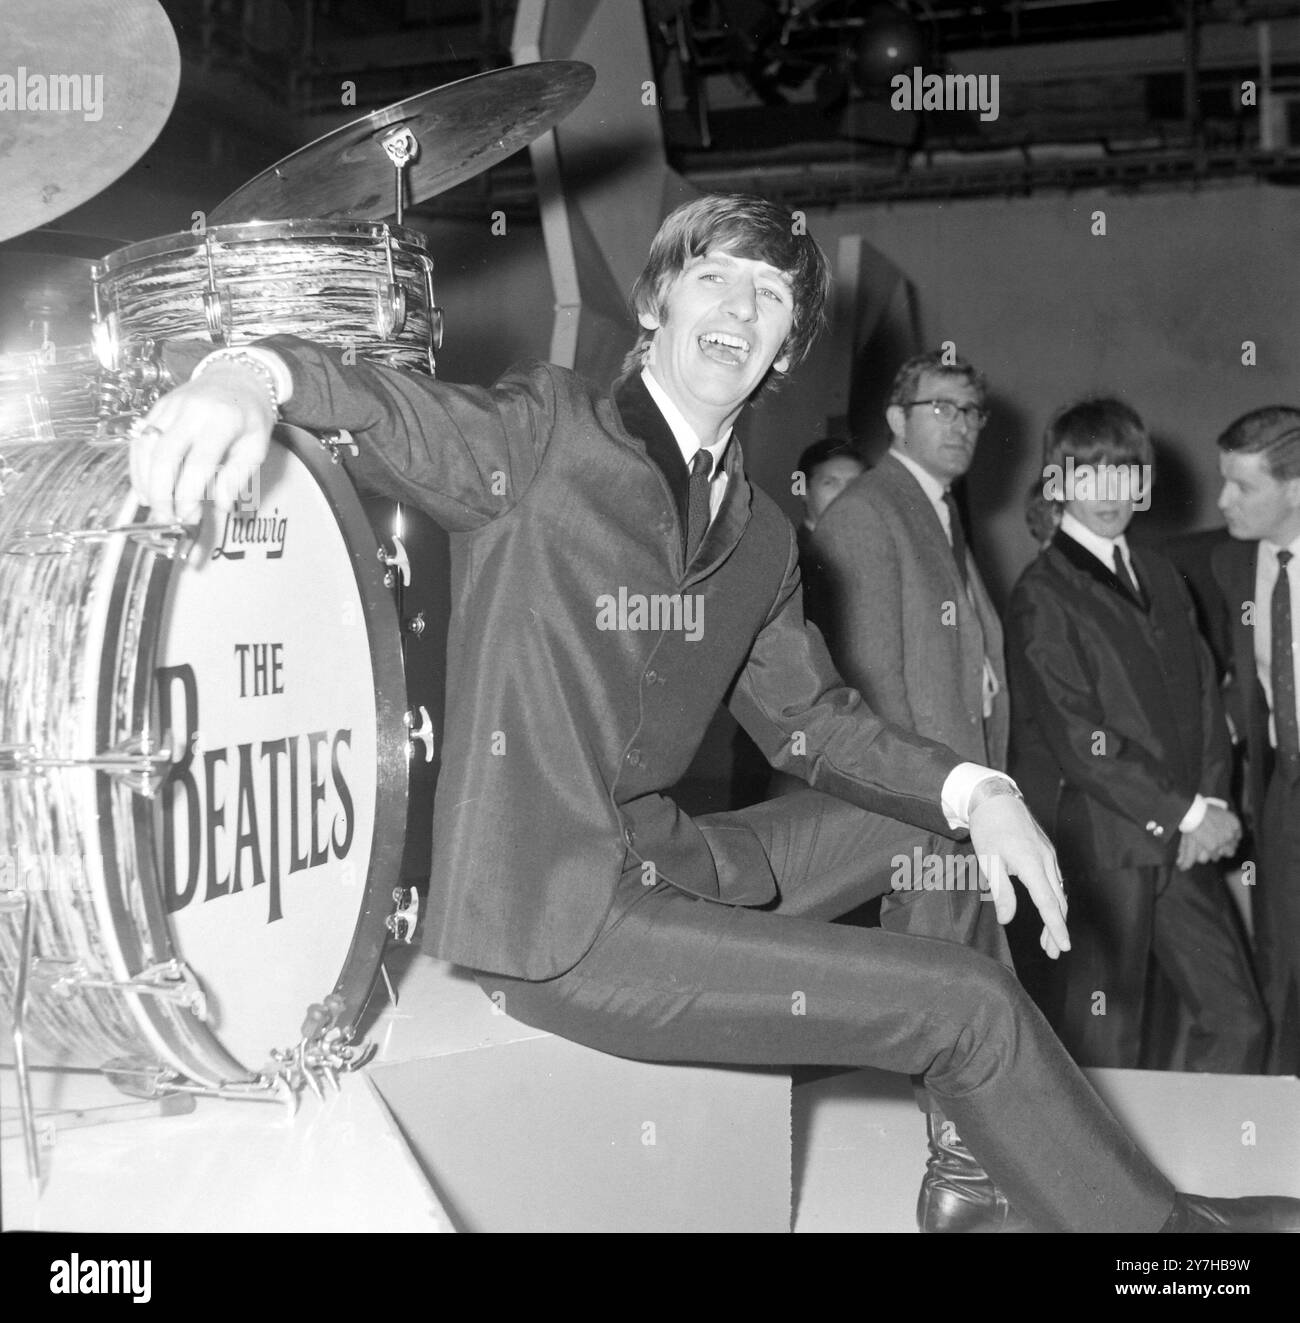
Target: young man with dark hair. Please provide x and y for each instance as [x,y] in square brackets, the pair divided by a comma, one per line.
[562,870]
[1260,462]
[1110,674]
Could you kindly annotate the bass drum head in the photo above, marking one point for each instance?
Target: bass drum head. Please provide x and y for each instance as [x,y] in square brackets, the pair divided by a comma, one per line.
[278,833]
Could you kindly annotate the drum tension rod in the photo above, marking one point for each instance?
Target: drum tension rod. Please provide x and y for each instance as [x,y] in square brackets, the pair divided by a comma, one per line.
[402,921]
[174,541]
[169,979]
[133,761]
[423,733]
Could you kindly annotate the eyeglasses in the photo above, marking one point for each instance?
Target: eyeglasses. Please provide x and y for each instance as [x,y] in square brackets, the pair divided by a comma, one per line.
[947,410]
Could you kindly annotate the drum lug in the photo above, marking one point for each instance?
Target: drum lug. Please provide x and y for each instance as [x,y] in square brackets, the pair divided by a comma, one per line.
[402,921]
[338,441]
[397,559]
[416,624]
[435,329]
[422,733]
[170,980]
[216,315]
[390,311]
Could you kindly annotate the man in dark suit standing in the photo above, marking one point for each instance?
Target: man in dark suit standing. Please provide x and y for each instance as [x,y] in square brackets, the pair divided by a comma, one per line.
[1110,675]
[1260,463]
[910,625]
[563,872]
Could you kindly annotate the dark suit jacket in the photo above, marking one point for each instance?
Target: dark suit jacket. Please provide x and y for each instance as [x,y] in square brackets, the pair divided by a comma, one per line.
[1235,565]
[561,735]
[1125,700]
[899,624]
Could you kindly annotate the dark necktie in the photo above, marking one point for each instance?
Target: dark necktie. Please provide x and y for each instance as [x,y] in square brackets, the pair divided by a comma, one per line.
[1123,574]
[697,502]
[958,535]
[1282,667]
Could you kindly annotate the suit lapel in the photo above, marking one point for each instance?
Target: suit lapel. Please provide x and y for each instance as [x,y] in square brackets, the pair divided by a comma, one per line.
[921,516]
[643,422]
[1087,564]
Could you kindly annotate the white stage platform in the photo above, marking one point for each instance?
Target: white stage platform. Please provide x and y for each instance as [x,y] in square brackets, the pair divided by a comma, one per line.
[468,1120]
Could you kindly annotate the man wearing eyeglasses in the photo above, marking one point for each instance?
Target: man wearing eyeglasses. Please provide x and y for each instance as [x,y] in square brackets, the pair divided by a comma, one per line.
[911,626]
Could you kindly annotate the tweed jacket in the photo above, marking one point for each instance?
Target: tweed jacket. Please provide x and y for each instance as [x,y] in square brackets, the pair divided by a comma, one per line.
[571,710]
[901,628]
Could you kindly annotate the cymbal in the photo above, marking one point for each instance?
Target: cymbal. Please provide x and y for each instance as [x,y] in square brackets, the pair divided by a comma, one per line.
[46,290]
[85,88]
[462,129]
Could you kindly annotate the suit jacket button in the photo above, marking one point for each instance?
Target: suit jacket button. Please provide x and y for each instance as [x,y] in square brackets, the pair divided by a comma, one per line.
[634,757]
[652,677]
[628,835]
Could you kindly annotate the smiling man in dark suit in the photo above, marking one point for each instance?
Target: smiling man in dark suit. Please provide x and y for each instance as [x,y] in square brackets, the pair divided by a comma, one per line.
[1109,674]
[562,870]
[1260,462]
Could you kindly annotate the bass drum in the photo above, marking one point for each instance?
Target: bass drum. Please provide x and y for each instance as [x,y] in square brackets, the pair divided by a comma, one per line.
[201,926]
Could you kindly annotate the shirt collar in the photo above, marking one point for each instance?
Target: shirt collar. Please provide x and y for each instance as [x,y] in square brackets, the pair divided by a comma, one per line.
[931,485]
[1101,547]
[683,433]
[1268,551]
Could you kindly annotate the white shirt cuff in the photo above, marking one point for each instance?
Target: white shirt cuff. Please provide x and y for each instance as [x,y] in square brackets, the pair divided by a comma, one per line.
[273,363]
[1196,814]
[954,798]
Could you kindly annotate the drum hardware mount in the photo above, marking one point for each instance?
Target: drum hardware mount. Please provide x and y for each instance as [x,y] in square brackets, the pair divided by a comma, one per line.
[21,901]
[148,1080]
[403,920]
[401,146]
[132,761]
[169,979]
[174,540]
[422,733]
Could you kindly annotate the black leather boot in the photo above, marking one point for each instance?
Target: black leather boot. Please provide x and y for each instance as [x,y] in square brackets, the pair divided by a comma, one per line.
[956,1192]
[1196,1212]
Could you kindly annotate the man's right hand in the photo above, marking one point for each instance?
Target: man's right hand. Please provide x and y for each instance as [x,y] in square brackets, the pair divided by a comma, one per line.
[1217,837]
[209,435]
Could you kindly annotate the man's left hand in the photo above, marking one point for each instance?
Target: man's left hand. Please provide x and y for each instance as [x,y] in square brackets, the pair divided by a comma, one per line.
[1007,840]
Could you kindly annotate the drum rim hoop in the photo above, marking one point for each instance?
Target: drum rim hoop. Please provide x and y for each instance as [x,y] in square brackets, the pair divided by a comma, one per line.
[253,232]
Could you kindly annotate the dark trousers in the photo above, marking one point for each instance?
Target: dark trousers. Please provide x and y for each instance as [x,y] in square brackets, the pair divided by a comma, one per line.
[674,978]
[1277,918]
[1123,918]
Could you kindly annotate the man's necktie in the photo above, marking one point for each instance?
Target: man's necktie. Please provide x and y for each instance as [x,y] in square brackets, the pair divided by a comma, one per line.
[958,535]
[697,502]
[1282,667]
[1125,576]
